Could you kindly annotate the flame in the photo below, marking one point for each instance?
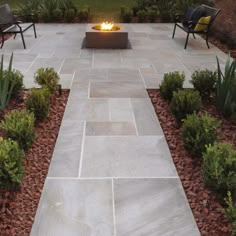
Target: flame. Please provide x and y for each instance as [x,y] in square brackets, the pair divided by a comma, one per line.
[106,26]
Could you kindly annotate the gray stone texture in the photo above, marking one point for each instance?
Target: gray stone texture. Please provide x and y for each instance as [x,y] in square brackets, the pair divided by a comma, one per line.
[110,131]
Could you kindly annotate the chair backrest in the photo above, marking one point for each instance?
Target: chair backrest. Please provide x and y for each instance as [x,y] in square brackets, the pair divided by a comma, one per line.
[211,11]
[6,16]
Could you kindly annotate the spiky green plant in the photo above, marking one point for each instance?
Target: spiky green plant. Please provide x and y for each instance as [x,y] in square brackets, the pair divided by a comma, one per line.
[226,88]
[29,9]
[6,86]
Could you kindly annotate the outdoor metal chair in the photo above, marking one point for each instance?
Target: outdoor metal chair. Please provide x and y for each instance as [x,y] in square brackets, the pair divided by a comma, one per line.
[10,24]
[189,25]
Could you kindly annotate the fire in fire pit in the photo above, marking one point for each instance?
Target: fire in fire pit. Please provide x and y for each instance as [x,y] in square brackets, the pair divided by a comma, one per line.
[106,35]
[106,26]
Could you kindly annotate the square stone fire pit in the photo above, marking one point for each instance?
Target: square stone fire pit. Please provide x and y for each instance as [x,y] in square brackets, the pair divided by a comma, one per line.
[96,38]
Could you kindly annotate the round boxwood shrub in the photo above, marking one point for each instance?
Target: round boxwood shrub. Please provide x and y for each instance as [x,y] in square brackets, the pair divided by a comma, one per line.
[198,132]
[47,77]
[172,82]
[19,126]
[185,102]
[204,81]
[11,164]
[38,102]
[219,167]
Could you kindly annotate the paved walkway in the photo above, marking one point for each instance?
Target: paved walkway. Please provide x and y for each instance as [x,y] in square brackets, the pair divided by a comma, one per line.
[111,171]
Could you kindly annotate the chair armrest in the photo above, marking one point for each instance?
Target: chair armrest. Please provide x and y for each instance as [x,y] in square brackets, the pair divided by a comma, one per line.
[178,18]
[3,25]
[25,17]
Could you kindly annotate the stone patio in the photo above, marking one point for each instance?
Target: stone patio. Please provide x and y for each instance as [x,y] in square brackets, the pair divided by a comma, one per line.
[111,173]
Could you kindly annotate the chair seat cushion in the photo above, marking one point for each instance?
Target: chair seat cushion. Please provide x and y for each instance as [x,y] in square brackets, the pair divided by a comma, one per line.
[202,24]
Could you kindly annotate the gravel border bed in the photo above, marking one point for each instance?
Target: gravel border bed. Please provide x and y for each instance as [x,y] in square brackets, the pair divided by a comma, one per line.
[208,211]
[18,208]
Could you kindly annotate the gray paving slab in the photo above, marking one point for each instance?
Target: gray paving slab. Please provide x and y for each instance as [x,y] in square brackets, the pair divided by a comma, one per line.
[106,60]
[120,109]
[79,89]
[95,74]
[110,128]
[67,152]
[142,156]
[70,65]
[87,110]
[66,80]
[125,75]
[153,207]
[75,207]
[117,90]
[145,117]
[110,131]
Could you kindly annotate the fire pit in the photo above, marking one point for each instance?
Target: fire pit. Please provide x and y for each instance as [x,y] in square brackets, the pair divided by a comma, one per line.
[106,35]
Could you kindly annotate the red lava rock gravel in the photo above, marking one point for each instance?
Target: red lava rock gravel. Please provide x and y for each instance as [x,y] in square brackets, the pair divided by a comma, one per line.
[18,208]
[207,210]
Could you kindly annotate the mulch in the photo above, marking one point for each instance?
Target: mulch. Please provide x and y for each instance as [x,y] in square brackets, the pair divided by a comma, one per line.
[207,209]
[18,207]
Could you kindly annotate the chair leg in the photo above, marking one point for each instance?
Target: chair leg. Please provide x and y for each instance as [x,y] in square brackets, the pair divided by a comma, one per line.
[207,41]
[2,40]
[35,35]
[23,40]
[173,35]
[194,35]
[15,36]
[186,42]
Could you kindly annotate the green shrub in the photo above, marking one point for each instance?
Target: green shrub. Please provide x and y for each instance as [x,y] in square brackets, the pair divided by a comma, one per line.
[135,9]
[152,15]
[122,10]
[6,86]
[219,167]
[185,102]
[84,14]
[29,9]
[11,164]
[38,102]
[68,4]
[181,6]
[198,132]
[165,9]
[127,15]
[19,126]
[47,8]
[226,88]
[70,15]
[204,81]
[141,15]
[57,14]
[231,211]
[16,78]
[47,77]
[172,82]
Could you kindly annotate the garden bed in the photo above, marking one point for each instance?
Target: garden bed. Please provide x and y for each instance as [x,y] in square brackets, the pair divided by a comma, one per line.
[18,208]
[207,209]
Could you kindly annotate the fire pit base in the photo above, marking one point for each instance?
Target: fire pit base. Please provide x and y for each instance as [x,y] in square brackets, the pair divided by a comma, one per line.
[106,39]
